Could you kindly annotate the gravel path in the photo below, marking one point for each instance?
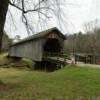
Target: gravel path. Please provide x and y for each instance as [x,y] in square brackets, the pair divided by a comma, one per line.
[87,65]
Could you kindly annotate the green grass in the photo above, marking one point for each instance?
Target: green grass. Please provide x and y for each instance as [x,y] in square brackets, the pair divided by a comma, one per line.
[24,61]
[69,83]
[2,58]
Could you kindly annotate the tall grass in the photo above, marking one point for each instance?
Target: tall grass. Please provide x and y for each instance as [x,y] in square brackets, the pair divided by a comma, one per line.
[69,83]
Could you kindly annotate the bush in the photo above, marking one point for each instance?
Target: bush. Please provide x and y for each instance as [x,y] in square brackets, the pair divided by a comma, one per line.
[1,82]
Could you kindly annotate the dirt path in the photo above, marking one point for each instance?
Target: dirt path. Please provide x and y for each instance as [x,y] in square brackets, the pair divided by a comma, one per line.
[87,65]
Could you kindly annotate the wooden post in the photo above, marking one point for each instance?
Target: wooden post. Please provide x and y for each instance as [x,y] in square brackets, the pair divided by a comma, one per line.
[64,59]
[85,59]
[57,57]
[45,66]
[94,59]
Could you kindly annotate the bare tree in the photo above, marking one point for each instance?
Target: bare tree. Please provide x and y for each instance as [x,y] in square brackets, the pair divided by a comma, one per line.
[91,29]
[91,26]
[3,10]
[45,9]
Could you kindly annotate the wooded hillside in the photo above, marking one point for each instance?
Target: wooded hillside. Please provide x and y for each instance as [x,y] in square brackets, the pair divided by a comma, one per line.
[83,43]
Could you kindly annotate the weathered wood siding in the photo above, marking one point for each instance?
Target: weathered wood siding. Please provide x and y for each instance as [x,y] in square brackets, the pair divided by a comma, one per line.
[30,49]
[33,49]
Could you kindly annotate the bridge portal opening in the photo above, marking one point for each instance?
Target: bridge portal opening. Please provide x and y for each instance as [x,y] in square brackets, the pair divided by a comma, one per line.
[52,46]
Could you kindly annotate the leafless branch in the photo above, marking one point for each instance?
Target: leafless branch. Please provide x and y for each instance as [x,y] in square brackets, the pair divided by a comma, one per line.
[45,9]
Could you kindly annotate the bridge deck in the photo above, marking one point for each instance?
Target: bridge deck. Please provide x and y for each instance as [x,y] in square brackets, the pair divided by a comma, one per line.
[57,58]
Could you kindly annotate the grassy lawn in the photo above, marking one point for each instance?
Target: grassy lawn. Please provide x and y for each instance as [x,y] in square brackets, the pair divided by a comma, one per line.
[69,83]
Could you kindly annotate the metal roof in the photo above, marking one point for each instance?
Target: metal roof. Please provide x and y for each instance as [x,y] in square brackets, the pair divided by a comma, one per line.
[41,35]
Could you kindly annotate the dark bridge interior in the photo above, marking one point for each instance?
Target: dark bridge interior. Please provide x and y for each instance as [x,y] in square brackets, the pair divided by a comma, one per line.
[52,45]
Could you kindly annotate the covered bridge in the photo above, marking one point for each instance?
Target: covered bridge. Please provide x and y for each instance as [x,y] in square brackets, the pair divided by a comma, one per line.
[35,47]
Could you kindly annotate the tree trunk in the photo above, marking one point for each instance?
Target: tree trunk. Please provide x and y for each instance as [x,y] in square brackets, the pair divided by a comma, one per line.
[3,11]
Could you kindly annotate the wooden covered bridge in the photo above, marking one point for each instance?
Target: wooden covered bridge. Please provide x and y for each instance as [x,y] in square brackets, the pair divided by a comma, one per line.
[44,48]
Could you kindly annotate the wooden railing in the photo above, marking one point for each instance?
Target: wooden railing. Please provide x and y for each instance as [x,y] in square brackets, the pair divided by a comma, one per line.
[53,54]
[56,56]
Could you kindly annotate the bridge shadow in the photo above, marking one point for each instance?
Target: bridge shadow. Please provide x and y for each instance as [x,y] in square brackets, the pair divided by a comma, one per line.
[46,66]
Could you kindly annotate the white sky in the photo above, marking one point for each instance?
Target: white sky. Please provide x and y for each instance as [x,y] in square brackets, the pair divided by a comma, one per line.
[77,14]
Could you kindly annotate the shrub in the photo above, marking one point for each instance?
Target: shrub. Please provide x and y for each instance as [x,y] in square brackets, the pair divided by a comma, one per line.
[1,82]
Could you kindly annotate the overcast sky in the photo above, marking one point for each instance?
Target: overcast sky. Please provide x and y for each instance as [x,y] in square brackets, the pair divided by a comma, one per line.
[80,12]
